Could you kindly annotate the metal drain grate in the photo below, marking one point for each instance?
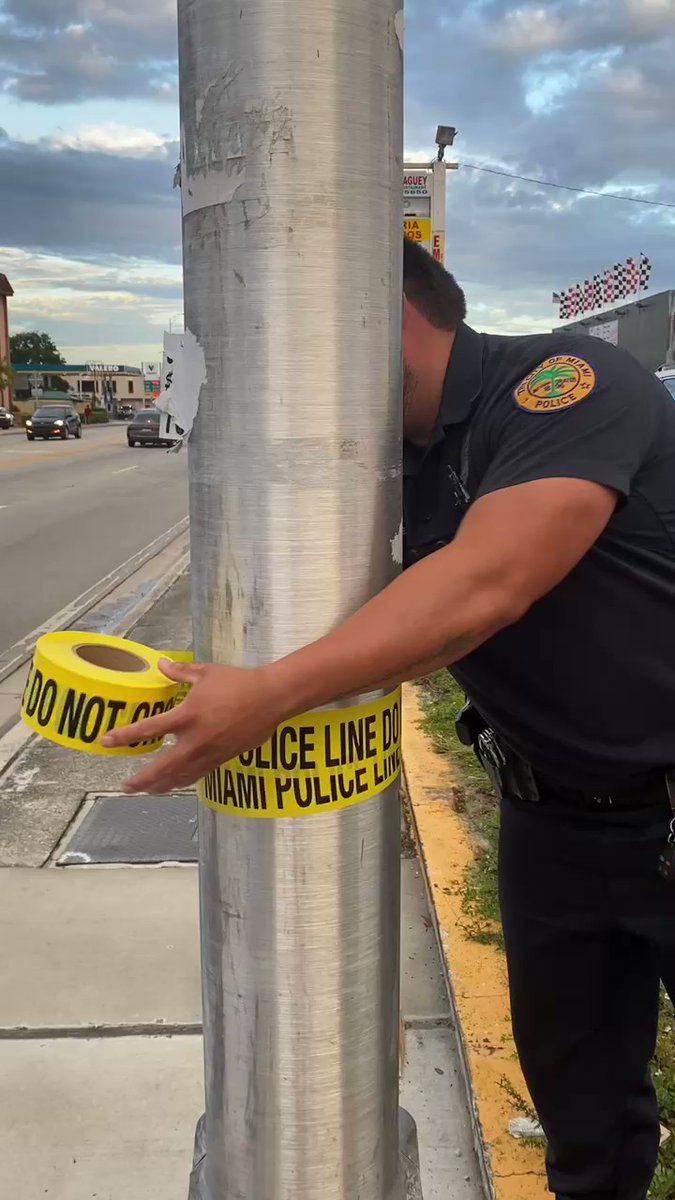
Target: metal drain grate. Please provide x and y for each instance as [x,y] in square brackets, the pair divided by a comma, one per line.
[142,829]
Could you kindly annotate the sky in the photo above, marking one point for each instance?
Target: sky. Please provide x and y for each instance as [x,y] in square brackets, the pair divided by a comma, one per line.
[575,92]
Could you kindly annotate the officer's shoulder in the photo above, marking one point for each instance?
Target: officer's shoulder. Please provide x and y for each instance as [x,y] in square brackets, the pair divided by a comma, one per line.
[532,350]
[512,360]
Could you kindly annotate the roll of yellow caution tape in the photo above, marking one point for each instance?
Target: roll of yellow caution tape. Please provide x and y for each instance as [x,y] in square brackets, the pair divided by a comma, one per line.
[321,762]
[180,656]
[81,686]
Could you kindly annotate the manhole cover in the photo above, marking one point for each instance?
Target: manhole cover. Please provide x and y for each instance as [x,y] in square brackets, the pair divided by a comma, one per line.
[142,829]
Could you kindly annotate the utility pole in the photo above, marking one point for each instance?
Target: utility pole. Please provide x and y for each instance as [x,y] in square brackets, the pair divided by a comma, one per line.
[36,383]
[291,163]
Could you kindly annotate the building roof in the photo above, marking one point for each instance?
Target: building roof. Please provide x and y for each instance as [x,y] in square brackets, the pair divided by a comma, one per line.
[618,309]
[6,288]
[73,369]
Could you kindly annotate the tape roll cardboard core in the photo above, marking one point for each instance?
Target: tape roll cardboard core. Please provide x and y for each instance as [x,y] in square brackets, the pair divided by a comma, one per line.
[110,658]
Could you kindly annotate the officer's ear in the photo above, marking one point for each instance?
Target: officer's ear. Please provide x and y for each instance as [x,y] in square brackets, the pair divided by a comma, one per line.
[411,318]
[415,331]
[407,326]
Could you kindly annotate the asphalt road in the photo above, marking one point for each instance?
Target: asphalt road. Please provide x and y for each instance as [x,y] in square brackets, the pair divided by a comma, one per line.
[72,511]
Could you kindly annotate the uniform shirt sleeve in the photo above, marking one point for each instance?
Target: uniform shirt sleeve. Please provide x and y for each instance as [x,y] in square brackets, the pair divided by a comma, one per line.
[603,438]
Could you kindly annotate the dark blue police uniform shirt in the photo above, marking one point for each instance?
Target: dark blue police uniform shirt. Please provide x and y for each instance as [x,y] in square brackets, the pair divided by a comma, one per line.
[583,686]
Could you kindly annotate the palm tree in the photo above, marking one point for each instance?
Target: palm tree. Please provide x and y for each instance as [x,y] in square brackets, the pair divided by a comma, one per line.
[5,375]
[555,380]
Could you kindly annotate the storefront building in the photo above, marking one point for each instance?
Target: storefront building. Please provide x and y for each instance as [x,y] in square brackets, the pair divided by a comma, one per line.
[93,385]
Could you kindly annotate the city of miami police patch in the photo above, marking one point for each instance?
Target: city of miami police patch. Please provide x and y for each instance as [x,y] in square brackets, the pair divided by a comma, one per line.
[560,382]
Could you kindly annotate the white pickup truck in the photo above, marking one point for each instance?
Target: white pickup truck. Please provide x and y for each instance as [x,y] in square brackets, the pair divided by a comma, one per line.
[666,374]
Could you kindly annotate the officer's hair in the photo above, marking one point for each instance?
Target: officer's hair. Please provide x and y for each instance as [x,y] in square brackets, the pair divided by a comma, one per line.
[432,290]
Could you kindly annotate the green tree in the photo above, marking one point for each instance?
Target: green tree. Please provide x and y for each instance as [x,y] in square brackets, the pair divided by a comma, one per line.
[34,347]
[5,375]
[58,383]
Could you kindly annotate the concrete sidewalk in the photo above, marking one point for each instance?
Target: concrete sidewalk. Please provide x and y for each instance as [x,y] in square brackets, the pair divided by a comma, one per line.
[100,1036]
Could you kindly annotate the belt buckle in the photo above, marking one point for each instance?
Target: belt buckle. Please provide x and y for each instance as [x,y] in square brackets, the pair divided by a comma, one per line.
[670,788]
[608,800]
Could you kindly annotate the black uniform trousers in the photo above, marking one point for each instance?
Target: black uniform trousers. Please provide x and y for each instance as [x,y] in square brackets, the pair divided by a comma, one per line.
[590,930]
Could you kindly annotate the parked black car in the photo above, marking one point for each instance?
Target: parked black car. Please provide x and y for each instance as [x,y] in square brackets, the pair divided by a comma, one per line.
[144,429]
[54,420]
[6,419]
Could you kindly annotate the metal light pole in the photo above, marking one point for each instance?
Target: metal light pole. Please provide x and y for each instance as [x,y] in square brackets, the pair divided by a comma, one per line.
[445,136]
[291,185]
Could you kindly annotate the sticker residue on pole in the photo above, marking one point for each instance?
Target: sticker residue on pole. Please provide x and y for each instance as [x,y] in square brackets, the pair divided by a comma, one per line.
[213,156]
[314,764]
[183,374]
[397,546]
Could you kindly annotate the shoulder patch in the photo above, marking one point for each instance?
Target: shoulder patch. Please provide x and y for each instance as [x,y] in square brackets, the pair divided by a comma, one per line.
[560,382]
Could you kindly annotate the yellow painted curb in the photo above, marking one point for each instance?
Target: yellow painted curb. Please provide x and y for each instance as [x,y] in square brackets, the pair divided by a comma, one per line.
[476,973]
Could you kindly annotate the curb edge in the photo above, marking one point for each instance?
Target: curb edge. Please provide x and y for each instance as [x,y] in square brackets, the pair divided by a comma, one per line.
[510,1171]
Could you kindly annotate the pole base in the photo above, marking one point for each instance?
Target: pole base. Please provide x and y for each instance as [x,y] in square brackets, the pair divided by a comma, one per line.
[409,1186]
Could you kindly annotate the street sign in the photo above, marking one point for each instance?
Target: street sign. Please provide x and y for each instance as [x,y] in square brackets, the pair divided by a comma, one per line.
[36,383]
[418,229]
[424,197]
[417,184]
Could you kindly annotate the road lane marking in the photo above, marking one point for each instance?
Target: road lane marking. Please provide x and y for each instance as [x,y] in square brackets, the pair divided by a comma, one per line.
[27,457]
[123,470]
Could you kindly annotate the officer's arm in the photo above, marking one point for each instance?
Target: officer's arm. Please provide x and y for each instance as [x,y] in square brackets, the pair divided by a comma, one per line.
[513,547]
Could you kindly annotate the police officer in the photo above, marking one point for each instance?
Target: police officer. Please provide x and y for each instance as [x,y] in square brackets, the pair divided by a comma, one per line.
[540,541]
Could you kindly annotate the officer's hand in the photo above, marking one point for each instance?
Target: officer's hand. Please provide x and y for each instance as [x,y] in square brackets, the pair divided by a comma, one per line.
[228,711]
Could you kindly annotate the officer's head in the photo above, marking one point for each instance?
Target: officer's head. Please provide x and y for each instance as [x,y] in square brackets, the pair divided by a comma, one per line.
[433,309]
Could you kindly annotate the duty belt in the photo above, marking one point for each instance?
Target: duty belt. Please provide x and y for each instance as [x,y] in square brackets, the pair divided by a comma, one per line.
[515,778]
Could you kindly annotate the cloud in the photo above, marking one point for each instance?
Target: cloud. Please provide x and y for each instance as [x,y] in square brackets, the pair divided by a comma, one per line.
[581,92]
[55,51]
[574,91]
[122,304]
[70,201]
[569,25]
[122,140]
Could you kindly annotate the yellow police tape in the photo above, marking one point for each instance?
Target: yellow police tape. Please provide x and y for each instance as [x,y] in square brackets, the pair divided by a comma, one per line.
[321,762]
[81,686]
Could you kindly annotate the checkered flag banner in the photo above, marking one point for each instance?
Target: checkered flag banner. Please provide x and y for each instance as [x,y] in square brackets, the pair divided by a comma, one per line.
[563,301]
[624,279]
[619,281]
[609,287]
[632,277]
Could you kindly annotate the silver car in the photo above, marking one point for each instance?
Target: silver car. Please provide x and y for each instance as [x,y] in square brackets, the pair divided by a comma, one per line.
[667,377]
